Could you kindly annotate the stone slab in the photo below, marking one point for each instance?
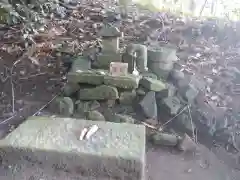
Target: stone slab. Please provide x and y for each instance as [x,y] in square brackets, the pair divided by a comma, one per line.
[94,77]
[101,92]
[126,82]
[115,151]
[152,84]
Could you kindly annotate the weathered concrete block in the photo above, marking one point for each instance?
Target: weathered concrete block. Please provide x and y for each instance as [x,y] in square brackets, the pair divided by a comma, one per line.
[93,77]
[115,151]
[104,60]
[101,92]
[152,84]
[125,82]
[118,69]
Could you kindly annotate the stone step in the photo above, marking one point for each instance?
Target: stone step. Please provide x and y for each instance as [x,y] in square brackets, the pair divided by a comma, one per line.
[52,145]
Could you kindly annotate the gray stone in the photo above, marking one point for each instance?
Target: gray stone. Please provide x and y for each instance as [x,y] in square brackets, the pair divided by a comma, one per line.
[104,60]
[80,64]
[85,106]
[177,75]
[148,105]
[127,97]
[63,106]
[197,83]
[120,118]
[190,93]
[102,92]
[169,91]
[185,121]
[152,84]
[172,105]
[95,116]
[164,139]
[115,149]
[141,91]
[86,77]
[126,82]
[70,88]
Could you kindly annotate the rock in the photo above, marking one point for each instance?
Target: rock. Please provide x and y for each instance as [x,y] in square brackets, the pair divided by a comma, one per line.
[127,97]
[125,82]
[162,70]
[148,105]
[80,64]
[63,106]
[86,77]
[104,60]
[85,106]
[102,92]
[70,88]
[169,91]
[187,144]
[141,91]
[95,116]
[198,83]
[152,84]
[177,75]
[120,118]
[189,93]
[172,105]
[185,121]
[164,139]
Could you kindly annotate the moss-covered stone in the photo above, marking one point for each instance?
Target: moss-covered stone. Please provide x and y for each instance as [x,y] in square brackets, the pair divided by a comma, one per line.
[152,84]
[102,92]
[87,77]
[124,82]
[127,97]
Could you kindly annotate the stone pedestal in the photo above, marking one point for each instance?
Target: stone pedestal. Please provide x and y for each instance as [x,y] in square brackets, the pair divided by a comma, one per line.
[51,146]
[110,44]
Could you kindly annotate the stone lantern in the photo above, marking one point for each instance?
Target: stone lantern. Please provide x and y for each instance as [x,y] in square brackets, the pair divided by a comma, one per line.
[110,39]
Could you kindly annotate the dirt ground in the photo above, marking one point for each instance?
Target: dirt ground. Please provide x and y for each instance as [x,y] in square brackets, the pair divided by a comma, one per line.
[166,164]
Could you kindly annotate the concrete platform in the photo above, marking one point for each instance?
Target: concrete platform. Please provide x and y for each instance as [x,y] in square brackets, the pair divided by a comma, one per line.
[49,148]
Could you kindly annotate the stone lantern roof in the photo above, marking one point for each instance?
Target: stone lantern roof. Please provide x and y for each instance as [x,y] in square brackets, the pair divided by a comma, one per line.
[108,32]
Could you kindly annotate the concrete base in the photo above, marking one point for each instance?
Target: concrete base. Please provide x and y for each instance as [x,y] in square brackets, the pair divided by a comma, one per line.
[48,145]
